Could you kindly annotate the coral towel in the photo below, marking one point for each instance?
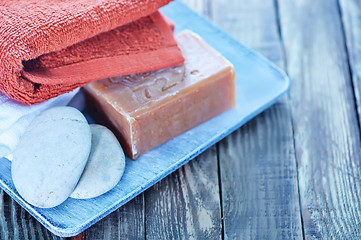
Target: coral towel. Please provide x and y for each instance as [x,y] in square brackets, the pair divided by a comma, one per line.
[50,47]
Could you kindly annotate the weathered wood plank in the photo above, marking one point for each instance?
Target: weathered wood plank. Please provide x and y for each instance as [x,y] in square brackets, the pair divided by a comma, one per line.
[258,167]
[351,16]
[125,223]
[16,223]
[254,23]
[259,182]
[326,131]
[186,204]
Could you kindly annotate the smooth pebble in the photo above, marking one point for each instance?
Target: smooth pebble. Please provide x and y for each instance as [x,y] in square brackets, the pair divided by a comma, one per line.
[51,156]
[105,165]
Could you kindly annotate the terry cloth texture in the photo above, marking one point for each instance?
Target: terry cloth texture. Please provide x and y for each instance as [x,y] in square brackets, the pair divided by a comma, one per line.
[50,47]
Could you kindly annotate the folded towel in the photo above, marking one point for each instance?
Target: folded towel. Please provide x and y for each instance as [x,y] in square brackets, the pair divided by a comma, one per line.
[50,47]
[16,116]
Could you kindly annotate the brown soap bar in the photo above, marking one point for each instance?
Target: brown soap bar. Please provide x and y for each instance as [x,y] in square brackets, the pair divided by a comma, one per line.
[147,109]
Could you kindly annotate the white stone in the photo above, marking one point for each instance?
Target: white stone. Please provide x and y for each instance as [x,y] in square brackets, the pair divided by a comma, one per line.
[51,156]
[105,165]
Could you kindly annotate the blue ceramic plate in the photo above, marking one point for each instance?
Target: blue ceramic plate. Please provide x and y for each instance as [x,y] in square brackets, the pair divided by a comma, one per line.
[259,85]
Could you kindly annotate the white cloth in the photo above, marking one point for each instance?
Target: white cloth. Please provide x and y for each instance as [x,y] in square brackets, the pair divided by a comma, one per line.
[16,116]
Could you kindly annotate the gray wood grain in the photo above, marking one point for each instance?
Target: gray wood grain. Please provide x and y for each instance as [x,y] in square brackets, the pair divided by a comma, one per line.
[186,204]
[258,166]
[259,182]
[351,16]
[125,223]
[326,131]
[16,223]
[253,23]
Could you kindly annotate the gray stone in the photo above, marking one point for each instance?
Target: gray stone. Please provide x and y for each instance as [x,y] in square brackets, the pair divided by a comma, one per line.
[51,156]
[105,165]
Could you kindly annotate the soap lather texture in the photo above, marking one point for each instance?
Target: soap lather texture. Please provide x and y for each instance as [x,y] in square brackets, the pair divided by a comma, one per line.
[105,165]
[51,156]
[147,109]
[50,47]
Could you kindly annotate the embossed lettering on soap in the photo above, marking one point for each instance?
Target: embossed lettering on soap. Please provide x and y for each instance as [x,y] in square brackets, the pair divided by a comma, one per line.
[149,86]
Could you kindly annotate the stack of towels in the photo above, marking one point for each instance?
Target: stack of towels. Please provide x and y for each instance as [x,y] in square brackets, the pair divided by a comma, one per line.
[50,48]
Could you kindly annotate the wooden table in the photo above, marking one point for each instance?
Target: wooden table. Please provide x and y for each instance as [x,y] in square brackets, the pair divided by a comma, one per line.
[293,172]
